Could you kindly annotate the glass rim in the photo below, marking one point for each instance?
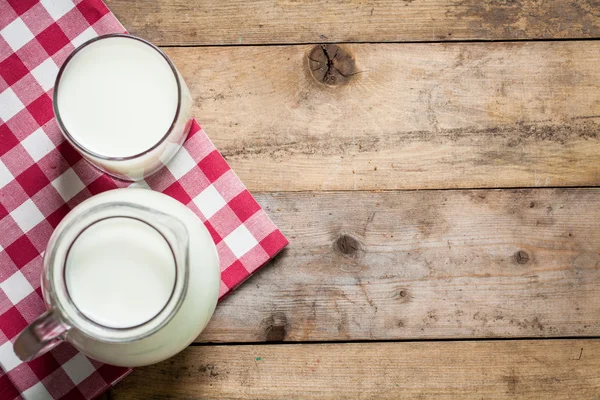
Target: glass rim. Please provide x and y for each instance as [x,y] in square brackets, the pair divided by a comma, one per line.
[77,144]
[88,319]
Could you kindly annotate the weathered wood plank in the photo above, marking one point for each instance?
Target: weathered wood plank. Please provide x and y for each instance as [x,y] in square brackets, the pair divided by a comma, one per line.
[423,264]
[415,116]
[176,22]
[543,369]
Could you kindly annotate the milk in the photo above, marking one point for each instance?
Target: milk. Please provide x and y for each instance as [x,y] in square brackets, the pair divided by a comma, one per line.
[120,272]
[120,103]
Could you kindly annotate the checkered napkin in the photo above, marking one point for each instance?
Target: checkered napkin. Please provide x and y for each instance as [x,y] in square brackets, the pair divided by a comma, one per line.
[42,177]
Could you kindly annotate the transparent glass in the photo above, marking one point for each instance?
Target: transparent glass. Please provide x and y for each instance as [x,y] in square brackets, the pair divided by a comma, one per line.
[185,314]
[137,166]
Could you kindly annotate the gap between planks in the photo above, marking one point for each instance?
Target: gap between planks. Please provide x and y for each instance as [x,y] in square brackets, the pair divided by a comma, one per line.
[441,340]
[170,46]
[308,191]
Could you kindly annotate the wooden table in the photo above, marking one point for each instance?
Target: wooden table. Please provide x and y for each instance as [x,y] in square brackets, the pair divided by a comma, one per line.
[440,192]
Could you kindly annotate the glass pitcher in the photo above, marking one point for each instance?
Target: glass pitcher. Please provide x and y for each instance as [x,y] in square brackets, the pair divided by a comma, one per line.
[130,278]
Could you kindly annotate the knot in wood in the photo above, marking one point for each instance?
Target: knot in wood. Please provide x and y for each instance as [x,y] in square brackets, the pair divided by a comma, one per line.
[347,245]
[330,64]
[276,327]
[521,257]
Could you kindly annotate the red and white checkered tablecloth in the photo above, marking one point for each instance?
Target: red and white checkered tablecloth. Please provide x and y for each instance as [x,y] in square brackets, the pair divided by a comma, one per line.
[42,177]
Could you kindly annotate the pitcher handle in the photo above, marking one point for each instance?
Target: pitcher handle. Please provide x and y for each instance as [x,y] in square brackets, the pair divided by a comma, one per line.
[41,336]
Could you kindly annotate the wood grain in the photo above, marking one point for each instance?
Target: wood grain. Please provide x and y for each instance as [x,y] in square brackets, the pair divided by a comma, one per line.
[414,116]
[556,369]
[423,264]
[193,22]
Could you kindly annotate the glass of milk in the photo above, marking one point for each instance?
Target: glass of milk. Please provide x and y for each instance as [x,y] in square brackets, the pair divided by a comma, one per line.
[131,277]
[120,101]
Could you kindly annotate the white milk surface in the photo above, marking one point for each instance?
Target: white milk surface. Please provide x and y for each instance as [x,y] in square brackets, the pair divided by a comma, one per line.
[120,272]
[117,97]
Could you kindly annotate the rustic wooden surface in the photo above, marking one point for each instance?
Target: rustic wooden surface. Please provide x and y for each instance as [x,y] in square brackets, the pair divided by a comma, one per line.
[551,369]
[416,116]
[210,22]
[333,138]
[423,264]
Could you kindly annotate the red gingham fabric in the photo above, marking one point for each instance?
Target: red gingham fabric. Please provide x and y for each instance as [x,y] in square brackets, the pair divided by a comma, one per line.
[42,178]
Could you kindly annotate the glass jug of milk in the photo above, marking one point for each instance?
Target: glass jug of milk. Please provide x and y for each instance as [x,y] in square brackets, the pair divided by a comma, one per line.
[131,277]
